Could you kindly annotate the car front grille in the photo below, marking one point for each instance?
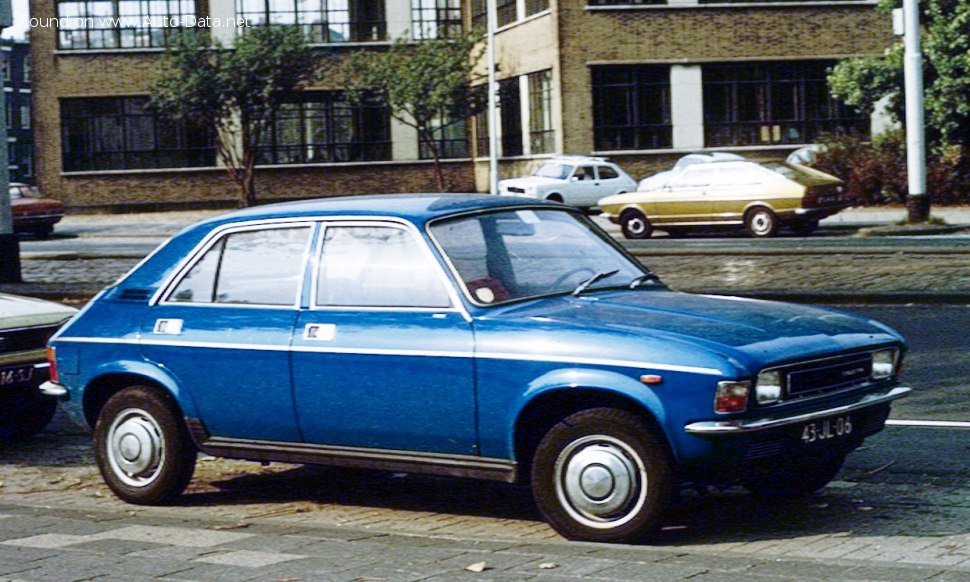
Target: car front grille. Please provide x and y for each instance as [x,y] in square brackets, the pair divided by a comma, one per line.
[30,338]
[816,377]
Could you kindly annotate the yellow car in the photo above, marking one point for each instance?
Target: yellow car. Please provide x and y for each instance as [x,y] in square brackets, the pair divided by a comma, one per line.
[706,191]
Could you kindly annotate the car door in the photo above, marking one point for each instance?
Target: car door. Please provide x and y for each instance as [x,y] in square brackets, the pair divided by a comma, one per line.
[224,326]
[684,199]
[582,188]
[382,358]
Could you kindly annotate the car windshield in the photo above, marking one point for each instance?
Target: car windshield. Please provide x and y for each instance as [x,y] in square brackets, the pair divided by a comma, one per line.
[554,170]
[802,175]
[515,254]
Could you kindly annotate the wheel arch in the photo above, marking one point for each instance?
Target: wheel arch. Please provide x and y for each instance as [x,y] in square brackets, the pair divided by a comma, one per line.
[547,407]
[102,387]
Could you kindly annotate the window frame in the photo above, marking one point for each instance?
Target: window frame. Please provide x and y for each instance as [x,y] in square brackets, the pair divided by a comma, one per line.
[358,30]
[164,296]
[447,17]
[540,112]
[117,32]
[87,124]
[631,93]
[726,85]
[439,271]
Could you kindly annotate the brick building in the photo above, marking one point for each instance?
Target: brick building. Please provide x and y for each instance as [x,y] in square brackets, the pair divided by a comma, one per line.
[642,81]
[645,81]
[15,66]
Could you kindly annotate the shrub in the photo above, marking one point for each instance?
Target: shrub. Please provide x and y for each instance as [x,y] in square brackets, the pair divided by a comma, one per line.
[874,170]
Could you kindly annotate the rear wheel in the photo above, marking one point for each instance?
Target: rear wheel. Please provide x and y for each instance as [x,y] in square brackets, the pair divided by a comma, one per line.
[142,448]
[761,222]
[635,225]
[601,475]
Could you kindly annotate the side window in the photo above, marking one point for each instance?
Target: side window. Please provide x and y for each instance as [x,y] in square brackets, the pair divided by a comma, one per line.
[257,267]
[608,173]
[584,173]
[376,266]
[692,178]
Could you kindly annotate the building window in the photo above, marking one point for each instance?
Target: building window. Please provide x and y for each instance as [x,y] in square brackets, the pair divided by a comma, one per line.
[479,14]
[772,103]
[25,116]
[542,135]
[435,18]
[510,107]
[451,135]
[632,2]
[26,68]
[323,21]
[320,127]
[506,12]
[631,107]
[5,65]
[111,24]
[535,6]
[122,134]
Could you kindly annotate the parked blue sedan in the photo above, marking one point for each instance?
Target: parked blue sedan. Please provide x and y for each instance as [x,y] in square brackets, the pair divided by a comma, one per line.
[473,336]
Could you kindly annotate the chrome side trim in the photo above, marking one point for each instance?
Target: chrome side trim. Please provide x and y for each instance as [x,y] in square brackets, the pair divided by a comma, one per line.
[411,353]
[743,426]
[54,390]
[391,460]
[25,357]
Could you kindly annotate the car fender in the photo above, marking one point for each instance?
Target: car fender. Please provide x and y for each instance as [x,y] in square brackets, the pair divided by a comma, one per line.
[607,381]
[151,372]
[758,204]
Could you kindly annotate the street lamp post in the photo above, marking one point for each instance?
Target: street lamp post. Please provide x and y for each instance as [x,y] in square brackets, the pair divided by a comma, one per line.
[918,201]
[491,24]
[9,246]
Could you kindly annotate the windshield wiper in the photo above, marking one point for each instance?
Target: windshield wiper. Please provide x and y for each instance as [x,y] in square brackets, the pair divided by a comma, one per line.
[597,277]
[643,279]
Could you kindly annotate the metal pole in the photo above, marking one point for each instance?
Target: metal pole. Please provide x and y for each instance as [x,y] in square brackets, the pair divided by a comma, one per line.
[492,99]
[918,201]
[9,245]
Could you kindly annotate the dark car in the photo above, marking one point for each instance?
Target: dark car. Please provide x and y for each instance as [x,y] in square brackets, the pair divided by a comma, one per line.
[474,336]
[32,213]
[25,326]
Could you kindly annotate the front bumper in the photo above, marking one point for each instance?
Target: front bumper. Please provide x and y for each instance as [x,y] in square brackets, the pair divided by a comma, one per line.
[753,425]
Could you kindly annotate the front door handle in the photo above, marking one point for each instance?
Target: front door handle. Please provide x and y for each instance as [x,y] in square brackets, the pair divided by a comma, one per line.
[168,326]
[321,332]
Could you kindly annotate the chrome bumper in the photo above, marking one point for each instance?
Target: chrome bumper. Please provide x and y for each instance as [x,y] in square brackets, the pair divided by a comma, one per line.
[719,427]
[54,390]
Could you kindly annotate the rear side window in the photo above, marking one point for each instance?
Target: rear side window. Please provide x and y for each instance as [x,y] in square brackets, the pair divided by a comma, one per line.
[253,267]
[608,173]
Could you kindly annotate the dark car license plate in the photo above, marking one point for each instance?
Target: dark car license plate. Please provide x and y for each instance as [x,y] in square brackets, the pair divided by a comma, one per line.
[826,429]
[16,375]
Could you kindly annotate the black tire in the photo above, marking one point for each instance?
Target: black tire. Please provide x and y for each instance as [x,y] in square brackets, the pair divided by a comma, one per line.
[761,222]
[804,479]
[142,447]
[23,413]
[805,227]
[554,198]
[601,475]
[635,225]
[43,231]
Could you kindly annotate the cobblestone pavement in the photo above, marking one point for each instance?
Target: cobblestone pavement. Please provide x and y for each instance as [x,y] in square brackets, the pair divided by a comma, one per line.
[881,520]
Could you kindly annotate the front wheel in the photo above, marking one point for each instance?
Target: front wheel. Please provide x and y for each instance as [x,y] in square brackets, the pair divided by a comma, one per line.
[601,475]
[805,227]
[635,225]
[761,222]
[142,448]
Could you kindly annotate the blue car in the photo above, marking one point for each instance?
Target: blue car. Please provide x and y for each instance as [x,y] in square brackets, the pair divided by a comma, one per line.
[472,336]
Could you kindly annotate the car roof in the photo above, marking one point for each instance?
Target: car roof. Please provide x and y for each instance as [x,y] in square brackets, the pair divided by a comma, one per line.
[416,208]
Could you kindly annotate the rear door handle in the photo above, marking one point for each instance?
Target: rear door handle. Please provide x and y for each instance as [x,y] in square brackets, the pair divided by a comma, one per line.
[320,332]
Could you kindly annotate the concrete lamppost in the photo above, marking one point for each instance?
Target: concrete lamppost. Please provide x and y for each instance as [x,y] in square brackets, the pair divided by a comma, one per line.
[906,23]
[9,246]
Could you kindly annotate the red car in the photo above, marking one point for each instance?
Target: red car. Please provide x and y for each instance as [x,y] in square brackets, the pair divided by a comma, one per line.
[32,213]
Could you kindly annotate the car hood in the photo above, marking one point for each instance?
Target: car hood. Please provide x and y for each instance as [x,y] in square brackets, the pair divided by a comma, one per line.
[18,312]
[537,181]
[747,332]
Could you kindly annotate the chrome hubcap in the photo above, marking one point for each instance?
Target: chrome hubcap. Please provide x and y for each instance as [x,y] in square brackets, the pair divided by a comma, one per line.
[635,225]
[600,481]
[761,222]
[135,447]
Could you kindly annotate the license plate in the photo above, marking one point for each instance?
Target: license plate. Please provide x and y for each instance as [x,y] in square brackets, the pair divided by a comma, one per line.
[15,376]
[826,429]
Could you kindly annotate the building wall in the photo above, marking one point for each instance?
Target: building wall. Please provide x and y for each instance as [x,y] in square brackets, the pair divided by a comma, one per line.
[127,72]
